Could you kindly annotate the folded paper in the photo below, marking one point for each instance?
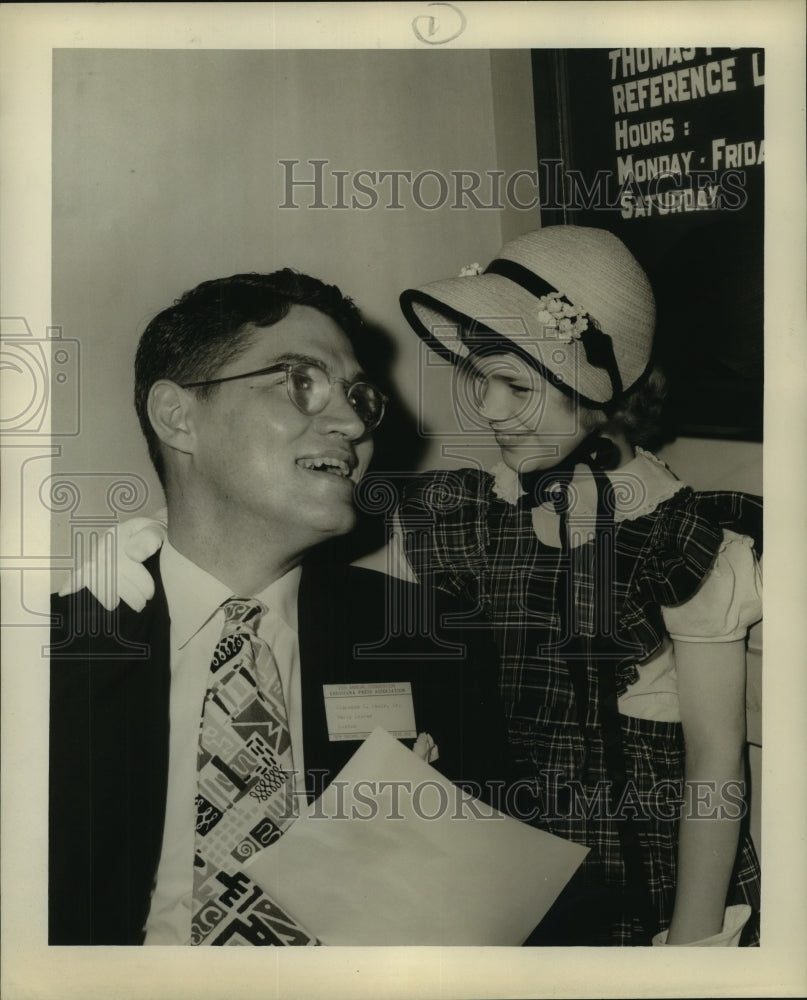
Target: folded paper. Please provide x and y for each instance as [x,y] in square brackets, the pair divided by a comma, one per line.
[393,853]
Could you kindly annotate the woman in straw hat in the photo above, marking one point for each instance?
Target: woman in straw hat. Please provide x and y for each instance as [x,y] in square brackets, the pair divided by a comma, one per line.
[620,598]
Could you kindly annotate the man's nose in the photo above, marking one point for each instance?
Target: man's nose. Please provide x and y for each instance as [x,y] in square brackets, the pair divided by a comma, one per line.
[340,415]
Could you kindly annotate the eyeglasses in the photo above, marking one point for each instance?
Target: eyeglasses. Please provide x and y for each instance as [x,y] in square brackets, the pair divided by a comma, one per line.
[309,388]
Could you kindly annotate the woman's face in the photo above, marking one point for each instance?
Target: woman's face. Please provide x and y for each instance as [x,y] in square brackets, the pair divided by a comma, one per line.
[535,424]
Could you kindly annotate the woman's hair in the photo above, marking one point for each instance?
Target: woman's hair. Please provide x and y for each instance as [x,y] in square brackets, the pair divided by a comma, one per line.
[640,416]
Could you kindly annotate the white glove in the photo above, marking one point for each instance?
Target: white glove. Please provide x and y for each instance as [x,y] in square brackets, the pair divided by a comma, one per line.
[735,918]
[113,571]
[426,748]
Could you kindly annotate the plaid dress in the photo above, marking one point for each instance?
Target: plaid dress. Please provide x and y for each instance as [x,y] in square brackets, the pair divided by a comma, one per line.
[461,537]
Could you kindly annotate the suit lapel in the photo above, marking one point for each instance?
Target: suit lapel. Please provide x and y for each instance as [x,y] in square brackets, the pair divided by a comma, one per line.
[337,607]
[321,615]
[145,729]
[110,679]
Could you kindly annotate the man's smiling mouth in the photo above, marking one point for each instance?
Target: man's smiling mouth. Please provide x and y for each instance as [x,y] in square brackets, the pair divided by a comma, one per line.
[327,464]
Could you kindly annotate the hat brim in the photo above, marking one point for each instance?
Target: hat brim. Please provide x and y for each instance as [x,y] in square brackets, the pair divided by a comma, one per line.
[444,313]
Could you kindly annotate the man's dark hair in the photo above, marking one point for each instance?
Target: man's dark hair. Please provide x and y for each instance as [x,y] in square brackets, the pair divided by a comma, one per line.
[209,326]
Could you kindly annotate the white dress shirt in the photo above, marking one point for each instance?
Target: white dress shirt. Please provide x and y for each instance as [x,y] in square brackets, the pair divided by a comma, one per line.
[194,605]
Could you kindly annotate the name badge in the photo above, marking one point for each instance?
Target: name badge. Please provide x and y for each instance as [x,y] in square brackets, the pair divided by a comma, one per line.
[354,710]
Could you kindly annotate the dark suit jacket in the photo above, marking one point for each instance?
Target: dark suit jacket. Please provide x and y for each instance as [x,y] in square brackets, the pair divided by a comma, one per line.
[109,721]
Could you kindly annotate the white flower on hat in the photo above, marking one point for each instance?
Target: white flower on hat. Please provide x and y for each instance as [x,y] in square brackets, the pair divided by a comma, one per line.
[470,270]
[557,313]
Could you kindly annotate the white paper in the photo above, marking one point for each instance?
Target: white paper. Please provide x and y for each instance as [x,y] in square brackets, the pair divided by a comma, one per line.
[413,864]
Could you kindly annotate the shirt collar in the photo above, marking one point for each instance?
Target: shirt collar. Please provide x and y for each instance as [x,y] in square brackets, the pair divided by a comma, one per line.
[194,596]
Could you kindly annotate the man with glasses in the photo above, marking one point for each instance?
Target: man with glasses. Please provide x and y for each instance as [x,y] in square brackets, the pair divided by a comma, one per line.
[185,735]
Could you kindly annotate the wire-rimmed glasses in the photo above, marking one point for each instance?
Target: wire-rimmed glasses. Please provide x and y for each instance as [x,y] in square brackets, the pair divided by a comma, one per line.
[309,388]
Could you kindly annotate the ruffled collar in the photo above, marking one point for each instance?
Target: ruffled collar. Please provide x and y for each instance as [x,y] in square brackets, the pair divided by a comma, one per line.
[640,486]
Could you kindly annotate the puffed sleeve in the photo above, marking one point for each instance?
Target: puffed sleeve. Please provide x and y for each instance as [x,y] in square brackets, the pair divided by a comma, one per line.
[728,601]
[677,547]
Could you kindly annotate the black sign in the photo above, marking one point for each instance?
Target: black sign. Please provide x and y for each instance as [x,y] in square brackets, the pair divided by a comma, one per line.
[665,147]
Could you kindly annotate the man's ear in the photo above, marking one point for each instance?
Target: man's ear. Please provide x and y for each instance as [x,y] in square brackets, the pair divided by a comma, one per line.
[169,412]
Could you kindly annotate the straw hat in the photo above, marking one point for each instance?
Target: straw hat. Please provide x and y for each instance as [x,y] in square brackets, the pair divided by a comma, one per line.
[571,300]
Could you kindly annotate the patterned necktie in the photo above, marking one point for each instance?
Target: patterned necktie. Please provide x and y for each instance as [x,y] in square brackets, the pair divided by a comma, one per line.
[245,791]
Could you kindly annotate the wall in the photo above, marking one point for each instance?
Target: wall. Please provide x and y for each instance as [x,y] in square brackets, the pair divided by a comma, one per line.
[166,172]
[711,465]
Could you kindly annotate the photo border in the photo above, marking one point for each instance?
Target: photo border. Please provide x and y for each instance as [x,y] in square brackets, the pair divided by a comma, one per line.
[30,968]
